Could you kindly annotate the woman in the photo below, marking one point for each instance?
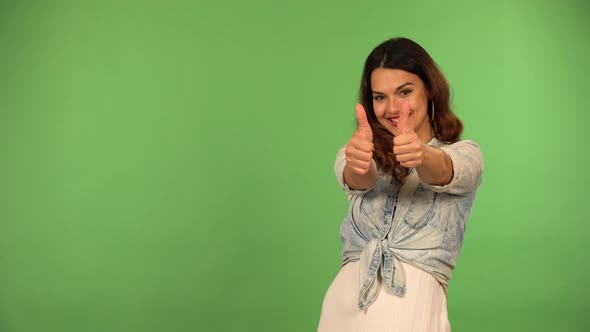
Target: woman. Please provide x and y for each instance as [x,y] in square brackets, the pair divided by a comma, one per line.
[410,182]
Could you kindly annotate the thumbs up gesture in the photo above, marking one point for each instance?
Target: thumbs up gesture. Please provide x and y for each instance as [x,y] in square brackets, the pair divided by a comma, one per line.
[407,147]
[359,151]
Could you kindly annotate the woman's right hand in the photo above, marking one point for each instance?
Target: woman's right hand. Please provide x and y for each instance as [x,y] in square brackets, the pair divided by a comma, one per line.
[359,151]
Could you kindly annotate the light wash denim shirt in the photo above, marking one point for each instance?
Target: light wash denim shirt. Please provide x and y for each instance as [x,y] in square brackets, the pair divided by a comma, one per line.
[415,222]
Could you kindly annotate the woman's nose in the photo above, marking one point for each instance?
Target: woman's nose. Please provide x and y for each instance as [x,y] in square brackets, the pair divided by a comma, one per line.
[393,106]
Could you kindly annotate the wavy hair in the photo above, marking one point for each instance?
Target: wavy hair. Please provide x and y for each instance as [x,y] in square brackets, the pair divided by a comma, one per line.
[405,54]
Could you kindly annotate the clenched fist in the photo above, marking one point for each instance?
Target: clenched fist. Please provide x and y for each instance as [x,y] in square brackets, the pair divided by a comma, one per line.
[359,151]
[407,147]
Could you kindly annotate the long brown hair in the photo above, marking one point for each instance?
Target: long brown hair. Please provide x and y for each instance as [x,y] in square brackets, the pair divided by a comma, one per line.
[407,55]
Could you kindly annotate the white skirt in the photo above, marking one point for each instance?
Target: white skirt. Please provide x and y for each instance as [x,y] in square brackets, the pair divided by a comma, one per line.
[422,308]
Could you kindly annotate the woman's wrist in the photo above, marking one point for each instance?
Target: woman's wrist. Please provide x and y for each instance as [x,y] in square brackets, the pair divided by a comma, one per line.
[358,181]
[437,166]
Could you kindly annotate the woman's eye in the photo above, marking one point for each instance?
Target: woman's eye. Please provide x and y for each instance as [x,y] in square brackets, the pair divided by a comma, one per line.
[377,97]
[405,92]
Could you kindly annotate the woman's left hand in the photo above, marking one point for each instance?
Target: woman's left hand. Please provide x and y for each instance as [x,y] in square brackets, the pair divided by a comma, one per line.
[407,147]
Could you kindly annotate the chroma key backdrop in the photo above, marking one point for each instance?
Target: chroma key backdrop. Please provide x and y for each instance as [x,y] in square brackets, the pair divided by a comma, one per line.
[168,165]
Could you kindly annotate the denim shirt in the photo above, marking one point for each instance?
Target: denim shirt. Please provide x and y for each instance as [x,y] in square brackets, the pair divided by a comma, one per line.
[413,221]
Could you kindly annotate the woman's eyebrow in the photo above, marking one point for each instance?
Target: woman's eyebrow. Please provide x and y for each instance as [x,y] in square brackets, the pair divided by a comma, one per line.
[398,88]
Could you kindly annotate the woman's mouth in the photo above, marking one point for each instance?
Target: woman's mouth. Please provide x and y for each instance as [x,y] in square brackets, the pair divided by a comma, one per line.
[393,120]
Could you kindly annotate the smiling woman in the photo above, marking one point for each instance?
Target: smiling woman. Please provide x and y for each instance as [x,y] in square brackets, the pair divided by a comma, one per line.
[400,86]
[410,183]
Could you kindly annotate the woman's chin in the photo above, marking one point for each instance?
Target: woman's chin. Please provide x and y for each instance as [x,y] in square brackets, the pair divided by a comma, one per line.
[394,130]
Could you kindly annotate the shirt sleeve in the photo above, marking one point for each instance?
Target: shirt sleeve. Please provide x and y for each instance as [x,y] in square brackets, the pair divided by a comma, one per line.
[467,168]
[339,170]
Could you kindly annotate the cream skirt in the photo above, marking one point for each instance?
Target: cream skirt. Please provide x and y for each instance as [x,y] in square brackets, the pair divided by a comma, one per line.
[423,307]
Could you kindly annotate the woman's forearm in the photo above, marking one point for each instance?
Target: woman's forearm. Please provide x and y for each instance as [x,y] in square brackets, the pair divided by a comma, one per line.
[358,181]
[437,166]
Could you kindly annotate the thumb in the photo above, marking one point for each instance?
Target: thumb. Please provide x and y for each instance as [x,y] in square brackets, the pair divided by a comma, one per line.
[364,127]
[404,118]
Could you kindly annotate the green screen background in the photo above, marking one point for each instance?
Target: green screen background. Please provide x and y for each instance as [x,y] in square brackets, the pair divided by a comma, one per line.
[167,166]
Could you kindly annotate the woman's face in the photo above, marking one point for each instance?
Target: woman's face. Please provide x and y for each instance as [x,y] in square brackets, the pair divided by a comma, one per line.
[392,87]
